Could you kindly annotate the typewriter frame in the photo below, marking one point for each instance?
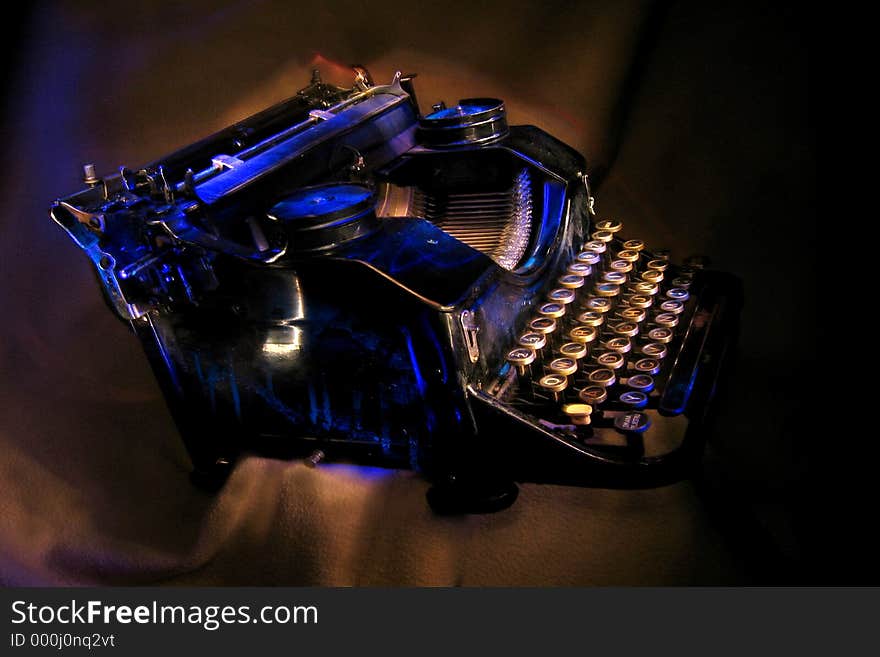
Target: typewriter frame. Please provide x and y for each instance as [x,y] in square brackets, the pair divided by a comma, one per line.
[176,224]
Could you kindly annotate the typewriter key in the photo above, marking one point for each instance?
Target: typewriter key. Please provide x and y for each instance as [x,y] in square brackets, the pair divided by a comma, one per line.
[602,377]
[634,399]
[621,345]
[588,257]
[554,384]
[607,290]
[645,288]
[639,301]
[677,293]
[633,314]
[648,366]
[521,358]
[594,395]
[603,236]
[634,245]
[563,366]
[533,341]
[571,281]
[583,334]
[666,319]
[598,304]
[610,225]
[611,359]
[652,276]
[629,329]
[578,413]
[576,350]
[553,310]
[658,265]
[581,269]
[621,265]
[543,325]
[682,283]
[628,256]
[661,334]
[632,422]
[643,382]
[596,246]
[672,306]
[654,350]
[615,277]
[591,318]
[561,295]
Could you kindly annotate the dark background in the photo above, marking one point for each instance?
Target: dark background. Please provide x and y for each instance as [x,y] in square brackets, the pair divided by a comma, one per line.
[698,124]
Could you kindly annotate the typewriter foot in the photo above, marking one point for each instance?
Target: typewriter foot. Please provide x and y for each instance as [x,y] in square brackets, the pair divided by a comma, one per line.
[456,496]
[211,478]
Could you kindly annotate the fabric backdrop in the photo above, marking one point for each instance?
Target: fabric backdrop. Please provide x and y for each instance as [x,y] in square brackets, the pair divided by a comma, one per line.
[696,121]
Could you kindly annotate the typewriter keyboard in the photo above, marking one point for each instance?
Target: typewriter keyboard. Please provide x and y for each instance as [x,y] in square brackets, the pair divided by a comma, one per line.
[612,351]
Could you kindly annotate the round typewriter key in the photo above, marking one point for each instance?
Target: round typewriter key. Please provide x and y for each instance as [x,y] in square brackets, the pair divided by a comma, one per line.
[683,283]
[602,377]
[554,384]
[596,246]
[648,366]
[658,264]
[583,334]
[615,277]
[588,257]
[666,319]
[576,350]
[633,314]
[672,306]
[623,266]
[645,288]
[611,359]
[571,281]
[563,366]
[591,318]
[607,290]
[581,269]
[640,301]
[652,276]
[543,325]
[553,310]
[629,329]
[521,358]
[598,304]
[533,341]
[632,422]
[634,245]
[628,256]
[677,293]
[610,225]
[643,382]
[578,413]
[561,295]
[594,395]
[603,236]
[634,399]
[661,334]
[654,350]
[621,345]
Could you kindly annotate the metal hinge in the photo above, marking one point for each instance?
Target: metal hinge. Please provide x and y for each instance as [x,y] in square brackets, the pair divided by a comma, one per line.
[469,324]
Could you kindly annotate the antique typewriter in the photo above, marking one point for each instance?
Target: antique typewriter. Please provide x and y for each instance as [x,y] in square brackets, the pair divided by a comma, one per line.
[343,277]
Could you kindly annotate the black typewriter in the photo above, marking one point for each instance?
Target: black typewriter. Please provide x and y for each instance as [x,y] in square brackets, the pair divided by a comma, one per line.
[341,276]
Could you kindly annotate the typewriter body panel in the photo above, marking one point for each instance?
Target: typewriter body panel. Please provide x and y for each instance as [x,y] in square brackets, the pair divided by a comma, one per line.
[342,276]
